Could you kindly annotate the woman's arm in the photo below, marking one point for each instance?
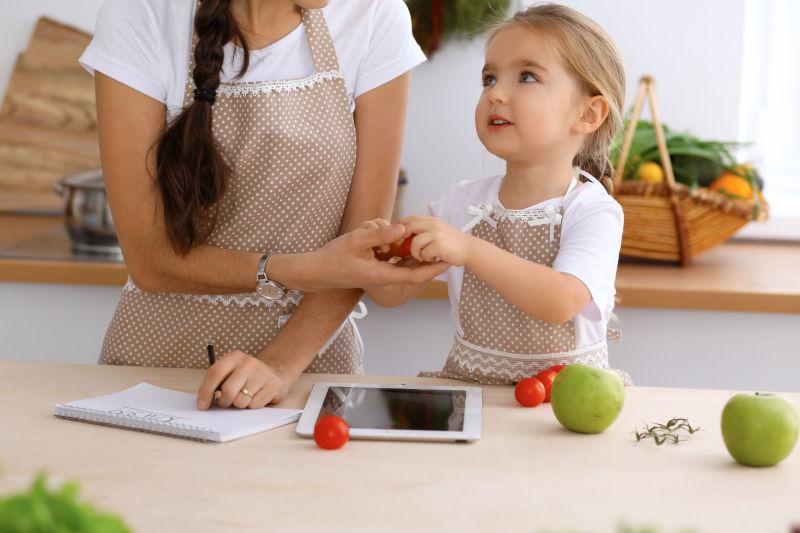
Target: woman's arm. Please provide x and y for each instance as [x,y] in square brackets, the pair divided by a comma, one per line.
[537,290]
[129,124]
[380,121]
[380,118]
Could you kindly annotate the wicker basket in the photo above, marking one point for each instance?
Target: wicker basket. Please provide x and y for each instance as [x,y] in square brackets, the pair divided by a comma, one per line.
[668,221]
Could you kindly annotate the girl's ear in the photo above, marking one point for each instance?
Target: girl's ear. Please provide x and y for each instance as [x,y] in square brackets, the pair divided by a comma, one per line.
[595,112]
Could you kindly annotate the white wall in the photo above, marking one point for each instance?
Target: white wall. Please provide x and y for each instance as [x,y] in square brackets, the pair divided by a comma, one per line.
[18,18]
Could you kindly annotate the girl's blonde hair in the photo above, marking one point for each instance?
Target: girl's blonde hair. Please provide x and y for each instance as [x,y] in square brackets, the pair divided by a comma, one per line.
[592,58]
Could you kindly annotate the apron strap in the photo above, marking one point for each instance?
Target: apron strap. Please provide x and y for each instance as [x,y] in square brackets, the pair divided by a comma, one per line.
[320,41]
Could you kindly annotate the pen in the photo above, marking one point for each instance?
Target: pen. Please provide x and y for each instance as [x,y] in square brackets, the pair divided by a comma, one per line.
[211,360]
[210,350]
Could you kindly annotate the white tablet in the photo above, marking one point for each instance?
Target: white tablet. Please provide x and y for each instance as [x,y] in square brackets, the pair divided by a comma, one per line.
[397,412]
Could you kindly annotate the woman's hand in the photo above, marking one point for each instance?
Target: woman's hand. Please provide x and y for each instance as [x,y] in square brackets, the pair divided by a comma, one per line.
[240,374]
[437,240]
[349,262]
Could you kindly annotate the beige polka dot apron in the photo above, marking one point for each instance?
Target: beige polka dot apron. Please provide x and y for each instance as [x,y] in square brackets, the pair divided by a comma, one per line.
[292,146]
[500,343]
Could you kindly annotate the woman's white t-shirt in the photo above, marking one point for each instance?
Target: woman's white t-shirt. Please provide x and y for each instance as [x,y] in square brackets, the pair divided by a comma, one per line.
[591,236]
[145,44]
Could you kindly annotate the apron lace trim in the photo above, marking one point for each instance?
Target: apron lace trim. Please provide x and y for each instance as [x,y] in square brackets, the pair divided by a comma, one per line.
[274,86]
[467,361]
[242,299]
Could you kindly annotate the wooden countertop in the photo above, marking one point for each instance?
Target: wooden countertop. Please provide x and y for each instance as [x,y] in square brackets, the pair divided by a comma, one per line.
[526,473]
[736,276]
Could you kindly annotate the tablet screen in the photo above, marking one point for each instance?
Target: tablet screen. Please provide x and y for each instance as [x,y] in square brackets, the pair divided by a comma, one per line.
[406,409]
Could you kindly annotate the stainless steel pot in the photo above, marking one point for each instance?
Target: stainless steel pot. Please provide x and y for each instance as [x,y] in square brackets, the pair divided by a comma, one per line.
[86,213]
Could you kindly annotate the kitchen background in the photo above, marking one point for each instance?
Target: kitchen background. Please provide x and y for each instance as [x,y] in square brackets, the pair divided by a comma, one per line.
[725,69]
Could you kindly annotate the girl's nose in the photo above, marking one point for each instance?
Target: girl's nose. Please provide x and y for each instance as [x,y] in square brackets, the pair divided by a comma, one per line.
[497,95]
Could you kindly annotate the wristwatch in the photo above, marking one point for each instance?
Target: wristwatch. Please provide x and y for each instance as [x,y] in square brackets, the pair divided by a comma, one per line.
[265,287]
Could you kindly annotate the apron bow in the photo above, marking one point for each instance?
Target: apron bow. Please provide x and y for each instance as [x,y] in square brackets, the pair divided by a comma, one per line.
[480,212]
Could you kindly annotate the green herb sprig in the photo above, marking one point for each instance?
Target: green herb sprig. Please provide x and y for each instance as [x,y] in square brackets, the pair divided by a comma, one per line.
[669,432]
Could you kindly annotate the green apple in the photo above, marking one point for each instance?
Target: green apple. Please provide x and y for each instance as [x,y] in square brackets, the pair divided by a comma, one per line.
[759,429]
[586,399]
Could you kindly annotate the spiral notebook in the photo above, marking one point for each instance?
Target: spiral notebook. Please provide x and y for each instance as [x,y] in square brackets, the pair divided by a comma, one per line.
[146,407]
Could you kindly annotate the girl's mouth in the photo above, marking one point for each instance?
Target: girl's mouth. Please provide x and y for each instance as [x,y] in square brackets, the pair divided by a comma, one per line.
[498,123]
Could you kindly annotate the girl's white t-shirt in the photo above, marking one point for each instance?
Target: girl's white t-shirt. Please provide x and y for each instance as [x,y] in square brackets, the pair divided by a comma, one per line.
[591,236]
[145,44]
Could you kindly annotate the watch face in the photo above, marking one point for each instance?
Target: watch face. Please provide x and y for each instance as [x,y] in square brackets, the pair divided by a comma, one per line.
[270,291]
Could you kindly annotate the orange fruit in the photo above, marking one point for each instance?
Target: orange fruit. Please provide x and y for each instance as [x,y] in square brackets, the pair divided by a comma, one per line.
[732,185]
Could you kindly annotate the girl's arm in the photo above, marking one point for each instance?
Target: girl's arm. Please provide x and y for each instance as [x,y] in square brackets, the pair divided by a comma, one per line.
[129,124]
[537,290]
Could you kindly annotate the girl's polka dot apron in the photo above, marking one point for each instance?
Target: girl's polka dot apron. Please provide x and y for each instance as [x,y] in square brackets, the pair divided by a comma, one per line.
[292,147]
[501,344]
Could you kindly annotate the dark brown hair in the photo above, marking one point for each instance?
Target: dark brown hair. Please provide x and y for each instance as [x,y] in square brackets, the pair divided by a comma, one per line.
[191,172]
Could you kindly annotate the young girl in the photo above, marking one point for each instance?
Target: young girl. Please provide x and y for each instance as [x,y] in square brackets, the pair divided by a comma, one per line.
[533,252]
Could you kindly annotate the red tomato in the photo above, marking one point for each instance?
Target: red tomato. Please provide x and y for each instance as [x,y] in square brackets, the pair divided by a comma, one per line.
[547,377]
[331,432]
[404,250]
[401,249]
[557,368]
[529,392]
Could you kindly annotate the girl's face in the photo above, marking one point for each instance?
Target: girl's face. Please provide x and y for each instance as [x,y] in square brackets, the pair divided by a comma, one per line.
[530,103]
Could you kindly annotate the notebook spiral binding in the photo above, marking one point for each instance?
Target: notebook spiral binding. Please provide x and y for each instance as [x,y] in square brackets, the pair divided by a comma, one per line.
[186,431]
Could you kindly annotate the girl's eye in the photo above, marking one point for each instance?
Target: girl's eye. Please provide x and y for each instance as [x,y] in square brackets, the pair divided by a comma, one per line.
[489,80]
[527,77]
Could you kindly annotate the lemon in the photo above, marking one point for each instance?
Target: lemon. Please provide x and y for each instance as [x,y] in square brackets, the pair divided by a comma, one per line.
[650,172]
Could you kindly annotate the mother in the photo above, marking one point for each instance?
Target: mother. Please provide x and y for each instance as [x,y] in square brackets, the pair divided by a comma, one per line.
[238,139]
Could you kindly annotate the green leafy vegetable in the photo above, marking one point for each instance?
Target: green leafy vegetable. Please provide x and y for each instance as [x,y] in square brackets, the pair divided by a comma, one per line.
[41,510]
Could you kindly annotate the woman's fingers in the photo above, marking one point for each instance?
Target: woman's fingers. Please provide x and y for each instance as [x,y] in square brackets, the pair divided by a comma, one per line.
[213,378]
[365,239]
[386,274]
[377,224]
[233,385]
[266,395]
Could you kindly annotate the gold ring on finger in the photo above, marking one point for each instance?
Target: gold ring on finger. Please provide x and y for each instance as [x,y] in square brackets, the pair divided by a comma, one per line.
[247,393]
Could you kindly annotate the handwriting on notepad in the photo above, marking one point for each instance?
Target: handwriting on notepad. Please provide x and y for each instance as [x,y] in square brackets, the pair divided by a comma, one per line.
[131,412]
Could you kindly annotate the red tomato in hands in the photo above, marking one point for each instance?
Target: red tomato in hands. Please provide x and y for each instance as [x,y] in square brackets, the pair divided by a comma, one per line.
[547,377]
[557,368]
[401,249]
[529,392]
[331,432]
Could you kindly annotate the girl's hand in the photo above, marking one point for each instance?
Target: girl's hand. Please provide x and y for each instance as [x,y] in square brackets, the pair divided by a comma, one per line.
[437,240]
[236,372]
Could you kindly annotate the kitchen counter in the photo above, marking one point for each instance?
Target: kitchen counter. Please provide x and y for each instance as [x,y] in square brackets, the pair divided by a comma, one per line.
[526,473]
[736,276]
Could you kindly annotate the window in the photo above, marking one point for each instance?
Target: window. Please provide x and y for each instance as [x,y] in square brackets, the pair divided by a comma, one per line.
[770,110]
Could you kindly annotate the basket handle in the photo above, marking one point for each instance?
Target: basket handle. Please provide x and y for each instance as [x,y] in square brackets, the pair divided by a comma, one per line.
[646,90]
